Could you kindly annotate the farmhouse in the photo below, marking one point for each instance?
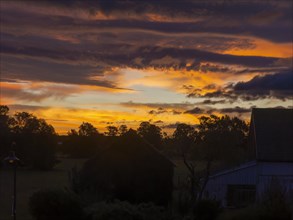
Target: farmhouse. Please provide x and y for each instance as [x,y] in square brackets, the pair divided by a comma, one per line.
[271,138]
[132,170]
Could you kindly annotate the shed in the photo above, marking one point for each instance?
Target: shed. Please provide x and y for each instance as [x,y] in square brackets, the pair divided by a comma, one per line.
[132,170]
[271,138]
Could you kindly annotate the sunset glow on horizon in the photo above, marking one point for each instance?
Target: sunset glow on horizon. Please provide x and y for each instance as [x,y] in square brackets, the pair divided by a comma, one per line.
[123,62]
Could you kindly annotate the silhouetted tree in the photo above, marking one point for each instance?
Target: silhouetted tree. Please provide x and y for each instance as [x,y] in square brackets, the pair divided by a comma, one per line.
[219,137]
[215,138]
[72,132]
[5,129]
[112,131]
[122,129]
[87,129]
[36,140]
[184,138]
[151,133]
[82,143]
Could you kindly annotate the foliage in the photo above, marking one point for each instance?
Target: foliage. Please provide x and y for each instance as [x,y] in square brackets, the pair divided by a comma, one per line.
[119,210]
[112,131]
[220,137]
[275,202]
[82,143]
[184,136]
[87,129]
[207,210]
[215,138]
[151,133]
[247,213]
[122,129]
[35,139]
[55,204]
[5,128]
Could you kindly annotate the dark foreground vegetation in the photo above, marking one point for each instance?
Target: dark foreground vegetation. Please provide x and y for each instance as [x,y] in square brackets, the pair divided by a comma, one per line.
[131,174]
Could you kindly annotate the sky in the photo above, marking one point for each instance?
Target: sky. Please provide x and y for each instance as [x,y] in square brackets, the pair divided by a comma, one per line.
[114,62]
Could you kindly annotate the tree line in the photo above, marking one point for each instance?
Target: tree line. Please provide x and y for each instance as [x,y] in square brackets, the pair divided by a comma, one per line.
[214,138]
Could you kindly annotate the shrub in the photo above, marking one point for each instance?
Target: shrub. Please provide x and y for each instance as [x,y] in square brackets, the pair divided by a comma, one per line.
[275,204]
[125,211]
[55,204]
[152,212]
[207,209]
[113,211]
[247,213]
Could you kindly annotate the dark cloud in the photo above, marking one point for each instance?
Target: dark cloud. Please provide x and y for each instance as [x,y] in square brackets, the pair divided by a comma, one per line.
[214,68]
[149,54]
[164,111]
[157,112]
[279,85]
[16,68]
[211,102]
[53,41]
[158,122]
[159,106]
[210,86]
[232,17]
[18,107]
[185,58]
[195,111]
[263,70]
[221,93]
[236,109]
[175,112]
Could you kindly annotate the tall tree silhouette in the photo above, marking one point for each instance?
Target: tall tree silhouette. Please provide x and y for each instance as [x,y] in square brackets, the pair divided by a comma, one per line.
[112,131]
[151,133]
[35,138]
[82,143]
[87,129]
[122,129]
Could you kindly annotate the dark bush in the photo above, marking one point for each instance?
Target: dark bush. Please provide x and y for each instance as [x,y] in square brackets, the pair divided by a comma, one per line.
[125,211]
[247,213]
[207,209]
[114,211]
[275,203]
[55,204]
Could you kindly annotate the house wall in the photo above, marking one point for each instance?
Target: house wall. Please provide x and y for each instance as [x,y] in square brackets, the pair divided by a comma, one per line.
[259,174]
[267,171]
[217,185]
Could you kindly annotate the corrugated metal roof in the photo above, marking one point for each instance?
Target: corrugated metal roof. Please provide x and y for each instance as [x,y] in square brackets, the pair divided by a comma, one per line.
[273,130]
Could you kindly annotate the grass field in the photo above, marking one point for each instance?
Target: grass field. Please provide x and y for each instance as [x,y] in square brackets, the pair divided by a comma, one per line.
[29,181]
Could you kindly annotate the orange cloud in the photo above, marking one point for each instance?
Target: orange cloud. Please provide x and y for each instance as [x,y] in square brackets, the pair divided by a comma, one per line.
[264,48]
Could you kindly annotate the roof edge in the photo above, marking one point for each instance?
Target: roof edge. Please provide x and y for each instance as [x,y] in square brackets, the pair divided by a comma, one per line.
[231,170]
